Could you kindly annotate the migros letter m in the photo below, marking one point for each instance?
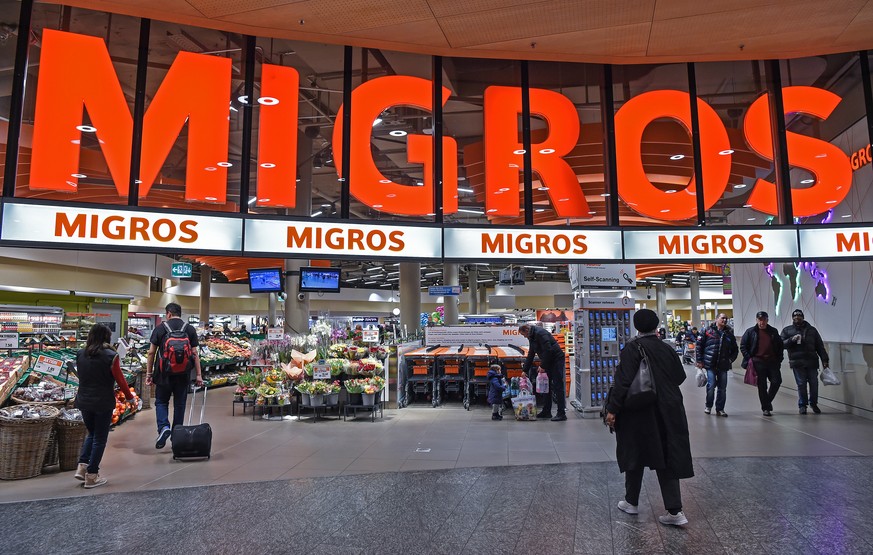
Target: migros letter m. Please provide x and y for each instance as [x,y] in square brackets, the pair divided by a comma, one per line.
[76,71]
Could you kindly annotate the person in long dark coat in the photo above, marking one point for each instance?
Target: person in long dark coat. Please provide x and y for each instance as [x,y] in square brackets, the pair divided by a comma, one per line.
[655,436]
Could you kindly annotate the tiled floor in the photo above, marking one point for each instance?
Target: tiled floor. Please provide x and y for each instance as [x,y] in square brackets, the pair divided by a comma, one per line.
[790,483]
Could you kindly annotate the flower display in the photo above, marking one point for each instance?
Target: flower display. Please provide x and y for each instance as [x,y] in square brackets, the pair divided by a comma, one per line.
[362,385]
[337,366]
[370,367]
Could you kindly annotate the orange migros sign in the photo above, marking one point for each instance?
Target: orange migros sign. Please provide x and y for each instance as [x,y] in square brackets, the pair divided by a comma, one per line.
[76,71]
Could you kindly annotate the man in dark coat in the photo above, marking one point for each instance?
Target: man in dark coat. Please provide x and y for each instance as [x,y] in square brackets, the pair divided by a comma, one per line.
[551,362]
[655,436]
[716,351]
[762,345]
[805,347]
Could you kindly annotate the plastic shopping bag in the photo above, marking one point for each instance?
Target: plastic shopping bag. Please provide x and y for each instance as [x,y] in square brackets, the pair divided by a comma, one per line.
[525,407]
[751,376]
[542,382]
[701,377]
[524,385]
[829,378]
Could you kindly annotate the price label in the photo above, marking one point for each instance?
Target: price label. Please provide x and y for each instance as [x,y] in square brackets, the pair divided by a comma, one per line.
[275,334]
[320,371]
[370,336]
[68,335]
[9,340]
[50,366]
[69,393]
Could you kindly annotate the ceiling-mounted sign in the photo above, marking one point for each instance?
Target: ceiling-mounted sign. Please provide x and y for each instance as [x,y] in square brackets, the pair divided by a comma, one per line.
[711,244]
[444,290]
[181,270]
[591,276]
[834,242]
[327,239]
[79,226]
[474,335]
[532,244]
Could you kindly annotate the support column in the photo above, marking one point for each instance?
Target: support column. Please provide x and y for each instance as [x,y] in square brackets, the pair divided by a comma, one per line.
[694,284]
[410,298]
[271,310]
[450,277]
[473,285]
[661,297]
[296,311]
[483,299]
[205,294]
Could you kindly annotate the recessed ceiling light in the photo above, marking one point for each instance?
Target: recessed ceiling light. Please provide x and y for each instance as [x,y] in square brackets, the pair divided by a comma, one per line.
[822,155]
[807,181]
[604,195]
[210,168]
[519,151]
[846,216]
[314,214]
[538,210]
[677,157]
[397,133]
[830,202]
[78,175]
[464,190]
[563,199]
[513,165]
[210,198]
[665,211]
[384,181]
[86,128]
[392,195]
[224,164]
[726,152]
[740,186]
[268,165]
[377,206]
[547,150]
[503,189]
[670,191]
[542,188]
[592,212]
[377,121]
[751,219]
[268,101]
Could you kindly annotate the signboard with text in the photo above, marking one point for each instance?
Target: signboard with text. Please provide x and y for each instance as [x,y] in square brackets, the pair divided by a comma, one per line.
[711,244]
[181,270]
[835,242]
[48,365]
[474,335]
[547,243]
[9,340]
[444,290]
[612,276]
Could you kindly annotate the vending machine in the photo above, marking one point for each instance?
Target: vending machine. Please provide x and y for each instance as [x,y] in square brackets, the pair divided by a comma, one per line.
[602,328]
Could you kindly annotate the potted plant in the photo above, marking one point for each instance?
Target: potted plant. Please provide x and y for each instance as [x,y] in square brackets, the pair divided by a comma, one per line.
[332,395]
[305,389]
[316,397]
[368,397]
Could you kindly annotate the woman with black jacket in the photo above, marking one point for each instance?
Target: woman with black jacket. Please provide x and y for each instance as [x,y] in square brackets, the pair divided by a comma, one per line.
[99,369]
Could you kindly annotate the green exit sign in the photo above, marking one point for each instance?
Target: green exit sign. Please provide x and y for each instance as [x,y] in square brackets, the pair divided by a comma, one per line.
[181,270]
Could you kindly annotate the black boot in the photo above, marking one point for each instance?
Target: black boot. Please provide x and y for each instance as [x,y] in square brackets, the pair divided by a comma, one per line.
[560,417]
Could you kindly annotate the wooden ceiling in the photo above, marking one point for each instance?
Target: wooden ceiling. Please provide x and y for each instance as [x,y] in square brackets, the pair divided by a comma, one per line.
[604,31]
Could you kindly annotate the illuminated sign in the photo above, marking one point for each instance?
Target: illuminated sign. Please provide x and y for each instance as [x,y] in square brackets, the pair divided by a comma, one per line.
[181,270]
[545,243]
[712,244]
[835,242]
[330,239]
[36,223]
[76,71]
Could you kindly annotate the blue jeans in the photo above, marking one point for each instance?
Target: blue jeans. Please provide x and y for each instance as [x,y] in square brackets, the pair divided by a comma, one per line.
[177,387]
[804,376]
[97,424]
[716,379]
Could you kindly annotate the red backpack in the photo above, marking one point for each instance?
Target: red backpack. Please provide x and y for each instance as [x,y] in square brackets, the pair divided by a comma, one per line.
[176,350]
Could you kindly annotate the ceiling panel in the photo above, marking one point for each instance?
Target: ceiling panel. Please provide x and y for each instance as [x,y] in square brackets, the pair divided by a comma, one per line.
[218,8]
[624,40]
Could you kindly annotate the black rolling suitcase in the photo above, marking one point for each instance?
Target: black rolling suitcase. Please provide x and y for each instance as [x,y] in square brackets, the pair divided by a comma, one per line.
[193,441]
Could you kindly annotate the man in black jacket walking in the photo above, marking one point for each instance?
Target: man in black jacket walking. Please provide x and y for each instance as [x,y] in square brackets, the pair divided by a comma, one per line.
[552,362]
[716,351]
[805,347]
[762,346]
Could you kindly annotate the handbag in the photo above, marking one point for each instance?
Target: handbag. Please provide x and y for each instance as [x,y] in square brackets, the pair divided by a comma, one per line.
[751,376]
[829,378]
[642,392]
[702,379]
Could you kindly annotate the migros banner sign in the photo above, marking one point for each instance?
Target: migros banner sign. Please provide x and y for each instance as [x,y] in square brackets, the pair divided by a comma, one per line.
[76,71]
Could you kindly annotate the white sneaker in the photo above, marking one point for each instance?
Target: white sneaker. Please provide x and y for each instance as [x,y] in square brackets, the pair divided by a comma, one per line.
[674,520]
[707,410]
[628,508]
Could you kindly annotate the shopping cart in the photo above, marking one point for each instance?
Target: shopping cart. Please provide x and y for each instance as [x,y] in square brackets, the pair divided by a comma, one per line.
[689,353]
[419,375]
[451,372]
[479,359]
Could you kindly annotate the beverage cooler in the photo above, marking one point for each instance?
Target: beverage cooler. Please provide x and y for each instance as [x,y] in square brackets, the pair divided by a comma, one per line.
[602,327]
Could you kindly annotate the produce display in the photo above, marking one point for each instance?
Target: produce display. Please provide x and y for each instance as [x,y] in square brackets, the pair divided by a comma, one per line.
[26,412]
[216,350]
[10,373]
[46,391]
[123,409]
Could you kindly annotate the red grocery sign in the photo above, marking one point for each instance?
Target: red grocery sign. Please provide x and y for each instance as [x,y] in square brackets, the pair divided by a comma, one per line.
[76,71]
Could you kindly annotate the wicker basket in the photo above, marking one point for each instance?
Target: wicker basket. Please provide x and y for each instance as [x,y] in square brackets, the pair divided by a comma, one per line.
[23,444]
[51,450]
[71,436]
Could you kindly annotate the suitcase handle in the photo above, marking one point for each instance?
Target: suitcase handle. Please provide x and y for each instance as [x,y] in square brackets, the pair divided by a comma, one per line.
[193,402]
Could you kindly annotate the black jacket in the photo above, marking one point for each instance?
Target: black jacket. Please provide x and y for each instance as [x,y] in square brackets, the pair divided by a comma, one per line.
[717,349]
[96,384]
[656,436]
[543,345]
[749,344]
[811,347]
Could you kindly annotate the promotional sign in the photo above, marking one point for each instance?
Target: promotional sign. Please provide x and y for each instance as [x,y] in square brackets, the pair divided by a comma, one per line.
[320,371]
[330,239]
[473,335]
[365,319]
[9,340]
[34,223]
[370,336]
[444,290]
[528,244]
[714,244]
[47,365]
[835,242]
[275,334]
[181,270]
[592,276]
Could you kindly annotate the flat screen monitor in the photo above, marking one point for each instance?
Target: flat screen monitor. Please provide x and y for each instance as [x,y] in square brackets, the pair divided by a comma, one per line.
[608,334]
[265,280]
[319,280]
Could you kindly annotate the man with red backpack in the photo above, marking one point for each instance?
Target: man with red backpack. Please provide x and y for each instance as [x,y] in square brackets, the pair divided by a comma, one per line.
[174,349]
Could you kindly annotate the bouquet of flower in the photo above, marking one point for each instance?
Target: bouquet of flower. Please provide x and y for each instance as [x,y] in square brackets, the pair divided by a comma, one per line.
[337,366]
[304,387]
[353,368]
[379,352]
[376,381]
[370,367]
[357,353]
[320,387]
[334,387]
[293,372]
[337,350]
[355,386]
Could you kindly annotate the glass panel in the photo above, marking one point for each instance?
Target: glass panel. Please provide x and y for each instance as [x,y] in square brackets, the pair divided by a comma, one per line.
[653,145]
[201,171]
[579,87]
[9,12]
[826,197]
[319,72]
[70,163]
[730,88]
[464,122]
